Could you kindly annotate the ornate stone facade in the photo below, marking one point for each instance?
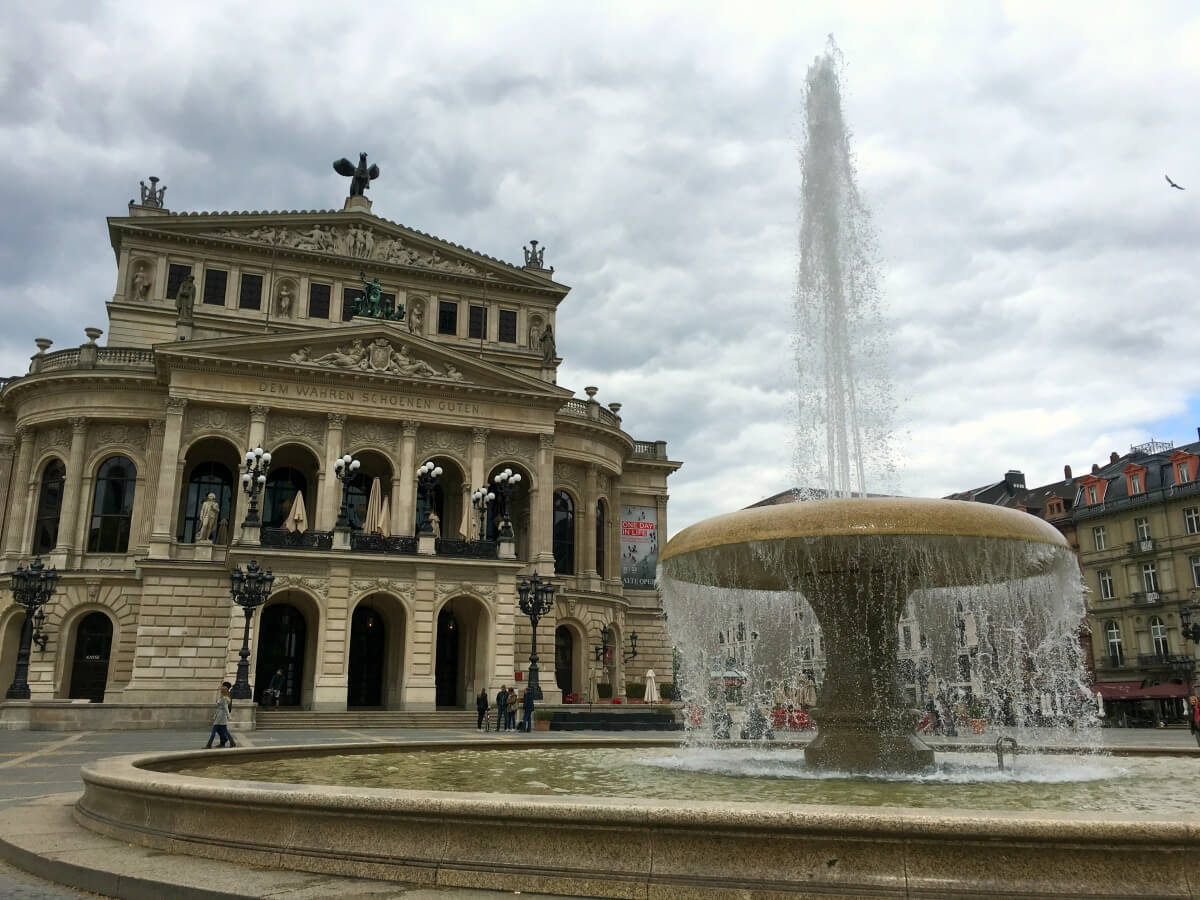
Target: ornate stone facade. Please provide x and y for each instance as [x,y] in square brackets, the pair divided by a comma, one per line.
[106,476]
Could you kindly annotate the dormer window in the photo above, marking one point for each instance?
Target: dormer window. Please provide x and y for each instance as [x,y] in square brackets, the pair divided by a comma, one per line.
[1135,483]
[1182,476]
[1093,497]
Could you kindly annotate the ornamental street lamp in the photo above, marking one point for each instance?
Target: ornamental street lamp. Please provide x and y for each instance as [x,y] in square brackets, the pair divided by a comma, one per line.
[506,482]
[258,463]
[602,651]
[250,590]
[32,587]
[427,479]
[632,646]
[346,469]
[481,498]
[535,599]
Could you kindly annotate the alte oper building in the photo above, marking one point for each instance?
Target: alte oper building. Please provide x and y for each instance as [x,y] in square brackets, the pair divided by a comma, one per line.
[314,336]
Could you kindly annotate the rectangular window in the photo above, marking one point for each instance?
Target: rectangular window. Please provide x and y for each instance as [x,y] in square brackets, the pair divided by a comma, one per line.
[1100,537]
[318,301]
[250,296]
[215,281]
[1195,571]
[349,297]
[1143,529]
[1182,476]
[477,323]
[175,275]
[1106,584]
[1093,497]
[1150,577]
[447,317]
[508,326]
[1135,483]
[1191,520]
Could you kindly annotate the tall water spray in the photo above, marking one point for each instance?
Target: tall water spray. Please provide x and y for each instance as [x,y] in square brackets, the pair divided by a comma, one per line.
[865,612]
[844,398]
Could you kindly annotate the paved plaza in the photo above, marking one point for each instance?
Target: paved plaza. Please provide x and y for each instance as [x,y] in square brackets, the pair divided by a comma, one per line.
[40,764]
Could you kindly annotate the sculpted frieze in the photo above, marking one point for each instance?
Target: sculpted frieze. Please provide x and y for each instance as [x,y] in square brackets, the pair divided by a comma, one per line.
[508,447]
[318,585]
[430,440]
[57,437]
[378,433]
[486,591]
[380,357]
[201,419]
[359,241]
[281,425]
[114,434]
[402,589]
[567,474]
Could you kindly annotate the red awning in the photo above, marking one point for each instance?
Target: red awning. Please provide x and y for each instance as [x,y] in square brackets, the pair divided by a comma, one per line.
[1133,690]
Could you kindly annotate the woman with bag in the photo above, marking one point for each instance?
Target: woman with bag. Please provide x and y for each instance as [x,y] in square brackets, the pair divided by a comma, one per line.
[220,726]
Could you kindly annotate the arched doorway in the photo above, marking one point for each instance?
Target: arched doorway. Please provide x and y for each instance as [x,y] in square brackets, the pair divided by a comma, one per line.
[89,665]
[461,645]
[564,659]
[449,495]
[372,465]
[10,644]
[282,641]
[366,670]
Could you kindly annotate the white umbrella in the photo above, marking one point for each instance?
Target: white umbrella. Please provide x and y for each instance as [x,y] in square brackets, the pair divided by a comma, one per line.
[374,502]
[651,687]
[385,518]
[807,692]
[297,518]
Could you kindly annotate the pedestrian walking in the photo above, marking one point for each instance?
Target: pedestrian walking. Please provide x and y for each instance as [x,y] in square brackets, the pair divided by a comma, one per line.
[501,703]
[510,709]
[481,707]
[275,688]
[220,726]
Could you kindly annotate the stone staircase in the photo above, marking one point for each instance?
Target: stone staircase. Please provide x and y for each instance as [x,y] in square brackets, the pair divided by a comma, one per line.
[272,719]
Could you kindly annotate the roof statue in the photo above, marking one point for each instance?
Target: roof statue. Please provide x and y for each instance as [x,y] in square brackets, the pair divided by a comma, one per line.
[374,305]
[152,195]
[360,176]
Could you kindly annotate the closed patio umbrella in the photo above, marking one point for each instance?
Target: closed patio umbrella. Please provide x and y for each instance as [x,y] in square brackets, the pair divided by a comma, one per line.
[374,504]
[651,687]
[385,518]
[297,517]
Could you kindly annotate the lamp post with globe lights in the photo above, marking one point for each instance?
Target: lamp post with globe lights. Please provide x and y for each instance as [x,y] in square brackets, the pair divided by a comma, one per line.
[250,590]
[427,479]
[346,469]
[506,483]
[32,587]
[481,499]
[535,597]
[258,463]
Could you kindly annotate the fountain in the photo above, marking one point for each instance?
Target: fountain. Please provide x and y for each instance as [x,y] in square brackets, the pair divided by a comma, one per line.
[863,809]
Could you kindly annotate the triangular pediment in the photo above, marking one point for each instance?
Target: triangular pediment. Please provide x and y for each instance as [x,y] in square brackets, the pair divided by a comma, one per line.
[356,237]
[372,351]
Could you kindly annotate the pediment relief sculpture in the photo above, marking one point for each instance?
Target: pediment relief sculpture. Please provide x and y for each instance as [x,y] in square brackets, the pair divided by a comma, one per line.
[379,357]
[360,241]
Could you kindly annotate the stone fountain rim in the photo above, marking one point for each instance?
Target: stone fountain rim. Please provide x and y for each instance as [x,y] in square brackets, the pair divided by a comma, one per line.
[860,517]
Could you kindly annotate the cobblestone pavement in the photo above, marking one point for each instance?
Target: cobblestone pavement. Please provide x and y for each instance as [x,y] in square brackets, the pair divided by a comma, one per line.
[38,763]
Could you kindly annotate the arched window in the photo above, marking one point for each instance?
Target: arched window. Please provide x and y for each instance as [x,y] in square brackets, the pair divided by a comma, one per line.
[280,493]
[1113,632]
[601,537]
[112,506]
[1158,634]
[207,477]
[564,533]
[50,498]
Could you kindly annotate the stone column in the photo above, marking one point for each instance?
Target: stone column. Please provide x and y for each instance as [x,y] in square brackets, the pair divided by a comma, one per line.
[68,522]
[7,459]
[168,481]
[541,509]
[23,459]
[404,488]
[332,497]
[587,558]
[146,483]
[254,438]
[475,463]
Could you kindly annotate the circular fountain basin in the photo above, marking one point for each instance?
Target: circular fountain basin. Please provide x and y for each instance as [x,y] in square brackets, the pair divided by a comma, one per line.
[728,549]
[632,844]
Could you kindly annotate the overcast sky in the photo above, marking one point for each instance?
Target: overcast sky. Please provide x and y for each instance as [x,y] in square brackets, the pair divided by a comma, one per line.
[1038,274]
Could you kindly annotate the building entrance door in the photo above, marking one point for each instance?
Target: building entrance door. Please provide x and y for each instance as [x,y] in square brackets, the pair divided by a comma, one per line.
[446,673]
[89,668]
[365,678]
[281,642]
[564,659]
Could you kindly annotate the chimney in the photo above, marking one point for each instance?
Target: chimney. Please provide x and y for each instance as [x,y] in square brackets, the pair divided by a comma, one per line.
[1113,457]
[1066,473]
[1014,481]
[1095,468]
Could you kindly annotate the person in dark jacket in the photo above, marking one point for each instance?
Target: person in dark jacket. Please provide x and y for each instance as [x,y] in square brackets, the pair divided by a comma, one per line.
[501,703]
[481,707]
[527,701]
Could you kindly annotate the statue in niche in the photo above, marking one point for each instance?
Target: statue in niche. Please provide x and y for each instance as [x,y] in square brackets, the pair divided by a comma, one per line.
[414,317]
[186,298]
[210,510]
[535,333]
[435,524]
[283,302]
[141,285]
[547,345]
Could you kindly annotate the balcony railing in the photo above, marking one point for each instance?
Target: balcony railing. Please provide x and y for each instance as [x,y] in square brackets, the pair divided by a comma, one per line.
[1150,597]
[467,549]
[584,409]
[294,540]
[360,542]
[650,449]
[1164,659]
[1145,545]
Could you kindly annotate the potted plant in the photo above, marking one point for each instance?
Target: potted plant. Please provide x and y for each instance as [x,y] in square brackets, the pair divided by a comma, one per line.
[975,717]
[541,719]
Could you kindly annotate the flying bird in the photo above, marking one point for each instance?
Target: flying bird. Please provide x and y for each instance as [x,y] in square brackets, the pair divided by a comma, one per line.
[1173,184]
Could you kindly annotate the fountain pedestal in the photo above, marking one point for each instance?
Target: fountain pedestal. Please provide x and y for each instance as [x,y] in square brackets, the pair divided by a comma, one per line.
[854,742]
